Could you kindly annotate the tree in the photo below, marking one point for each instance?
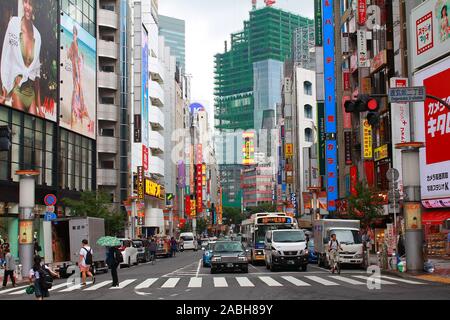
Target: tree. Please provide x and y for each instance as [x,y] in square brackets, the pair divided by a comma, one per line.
[202,224]
[232,215]
[366,205]
[266,207]
[97,204]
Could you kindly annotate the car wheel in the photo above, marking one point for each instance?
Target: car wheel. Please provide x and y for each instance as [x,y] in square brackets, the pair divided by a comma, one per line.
[272,268]
[245,269]
[304,267]
[213,270]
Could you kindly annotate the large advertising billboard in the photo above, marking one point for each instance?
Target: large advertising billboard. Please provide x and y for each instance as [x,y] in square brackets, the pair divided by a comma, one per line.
[144,89]
[78,78]
[432,126]
[28,53]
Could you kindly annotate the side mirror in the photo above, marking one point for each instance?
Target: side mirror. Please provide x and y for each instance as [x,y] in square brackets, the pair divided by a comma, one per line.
[247,250]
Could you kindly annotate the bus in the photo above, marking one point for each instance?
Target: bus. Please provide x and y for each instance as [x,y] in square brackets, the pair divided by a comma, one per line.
[254,229]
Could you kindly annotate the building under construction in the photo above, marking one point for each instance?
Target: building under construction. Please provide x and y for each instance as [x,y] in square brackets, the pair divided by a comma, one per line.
[255,58]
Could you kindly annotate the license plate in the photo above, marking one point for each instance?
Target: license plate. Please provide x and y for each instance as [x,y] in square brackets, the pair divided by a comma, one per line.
[290,262]
[230,265]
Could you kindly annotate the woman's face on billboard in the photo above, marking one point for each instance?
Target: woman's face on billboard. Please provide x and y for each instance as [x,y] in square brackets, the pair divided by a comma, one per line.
[28,9]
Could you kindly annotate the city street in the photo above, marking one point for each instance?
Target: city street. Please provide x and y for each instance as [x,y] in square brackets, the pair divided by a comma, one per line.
[183,278]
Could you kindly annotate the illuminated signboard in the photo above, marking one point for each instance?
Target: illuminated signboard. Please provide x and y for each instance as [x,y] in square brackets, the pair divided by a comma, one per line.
[140,183]
[153,189]
[267,220]
[248,149]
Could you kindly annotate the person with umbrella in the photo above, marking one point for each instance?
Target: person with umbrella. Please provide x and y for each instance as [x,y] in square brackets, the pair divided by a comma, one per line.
[113,256]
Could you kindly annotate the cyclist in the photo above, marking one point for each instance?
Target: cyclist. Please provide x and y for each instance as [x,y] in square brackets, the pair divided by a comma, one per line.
[333,249]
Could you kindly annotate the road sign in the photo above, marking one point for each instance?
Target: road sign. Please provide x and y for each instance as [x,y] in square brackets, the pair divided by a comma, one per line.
[50,209]
[407,94]
[392,174]
[50,200]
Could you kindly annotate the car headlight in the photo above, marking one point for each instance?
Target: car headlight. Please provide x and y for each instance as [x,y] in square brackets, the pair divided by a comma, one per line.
[216,259]
[242,258]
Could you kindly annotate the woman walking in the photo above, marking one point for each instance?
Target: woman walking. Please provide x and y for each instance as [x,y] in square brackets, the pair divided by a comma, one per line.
[36,277]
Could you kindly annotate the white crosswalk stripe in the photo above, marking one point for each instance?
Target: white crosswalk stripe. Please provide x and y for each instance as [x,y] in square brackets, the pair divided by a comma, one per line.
[195,282]
[348,280]
[123,284]
[22,291]
[98,285]
[220,282]
[271,282]
[12,289]
[244,282]
[75,287]
[325,282]
[146,284]
[402,280]
[374,279]
[61,285]
[295,281]
[170,283]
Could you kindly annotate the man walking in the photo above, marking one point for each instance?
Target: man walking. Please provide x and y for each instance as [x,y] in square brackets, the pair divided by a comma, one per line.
[10,266]
[113,260]
[85,262]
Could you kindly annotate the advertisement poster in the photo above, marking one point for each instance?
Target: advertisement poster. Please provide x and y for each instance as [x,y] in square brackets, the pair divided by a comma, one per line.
[432,126]
[144,89]
[363,55]
[430,31]
[26,232]
[78,78]
[28,56]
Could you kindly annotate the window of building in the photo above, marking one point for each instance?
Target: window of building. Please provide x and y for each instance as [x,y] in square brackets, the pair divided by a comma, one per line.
[307,88]
[308,135]
[308,112]
[107,68]
[83,12]
[107,132]
[107,100]
[107,164]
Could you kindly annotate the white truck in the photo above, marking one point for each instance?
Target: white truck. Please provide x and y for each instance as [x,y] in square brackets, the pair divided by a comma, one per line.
[62,243]
[347,233]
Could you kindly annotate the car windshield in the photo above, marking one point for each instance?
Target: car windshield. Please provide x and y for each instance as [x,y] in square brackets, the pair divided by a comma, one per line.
[289,236]
[347,236]
[187,238]
[260,234]
[228,247]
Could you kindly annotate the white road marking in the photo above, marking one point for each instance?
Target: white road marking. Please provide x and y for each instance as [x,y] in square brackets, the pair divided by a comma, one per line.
[322,281]
[18,292]
[123,284]
[75,287]
[244,282]
[12,289]
[195,283]
[98,286]
[295,281]
[58,286]
[220,282]
[271,282]
[147,283]
[374,279]
[198,268]
[348,280]
[170,283]
[402,280]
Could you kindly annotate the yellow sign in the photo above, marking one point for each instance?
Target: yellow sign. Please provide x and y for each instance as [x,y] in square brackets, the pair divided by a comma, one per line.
[289,150]
[248,150]
[413,215]
[26,232]
[367,141]
[381,153]
[193,208]
[153,189]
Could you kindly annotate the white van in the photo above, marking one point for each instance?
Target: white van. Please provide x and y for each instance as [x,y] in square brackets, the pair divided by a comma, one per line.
[285,248]
[190,243]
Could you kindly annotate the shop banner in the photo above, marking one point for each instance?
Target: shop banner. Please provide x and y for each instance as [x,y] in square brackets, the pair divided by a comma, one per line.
[432,126]
[369,169]
[346,79]
[331,176]
[379,61]
[318,22]
[429,31]
[144,86]
[140,183]
[307,201]
[145,157]
[353,180]
[289,150]
[362,12]
[347,117]
[26,232]
[248,149]
[321,119]
[137,128]
[381,153]
[363,55]
[348,147]
[367,140]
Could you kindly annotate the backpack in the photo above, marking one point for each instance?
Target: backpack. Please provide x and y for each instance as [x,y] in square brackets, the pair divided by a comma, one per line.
[88,257]
[331,242]
[118,256]
[45,278]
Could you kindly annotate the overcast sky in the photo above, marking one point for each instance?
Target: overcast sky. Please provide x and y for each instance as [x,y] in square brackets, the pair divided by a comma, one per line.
[208,24]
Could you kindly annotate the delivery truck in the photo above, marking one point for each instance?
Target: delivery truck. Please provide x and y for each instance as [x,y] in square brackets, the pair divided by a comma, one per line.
[347,233]
[62,243]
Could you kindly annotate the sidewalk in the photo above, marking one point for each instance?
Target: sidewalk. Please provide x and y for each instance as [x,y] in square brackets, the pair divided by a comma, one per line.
[441,272]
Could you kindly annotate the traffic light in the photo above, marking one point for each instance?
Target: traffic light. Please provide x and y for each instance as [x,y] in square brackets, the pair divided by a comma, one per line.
[373,116]
[5,138]
[363,103]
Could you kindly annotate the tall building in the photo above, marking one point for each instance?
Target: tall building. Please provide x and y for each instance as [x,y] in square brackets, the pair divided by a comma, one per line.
[257,52]
[174,33]
[114,101]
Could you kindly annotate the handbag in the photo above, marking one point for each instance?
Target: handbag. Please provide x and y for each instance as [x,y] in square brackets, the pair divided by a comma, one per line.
[30,289]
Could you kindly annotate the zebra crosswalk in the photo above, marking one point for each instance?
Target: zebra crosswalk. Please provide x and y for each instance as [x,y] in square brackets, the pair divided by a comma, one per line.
[223,282]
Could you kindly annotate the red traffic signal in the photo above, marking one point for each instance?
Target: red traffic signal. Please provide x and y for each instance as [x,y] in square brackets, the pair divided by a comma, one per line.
[372,105]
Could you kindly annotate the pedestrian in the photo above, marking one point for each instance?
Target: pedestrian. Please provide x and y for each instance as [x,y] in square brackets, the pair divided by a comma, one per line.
[153,248]
[114,259]
[181,242]
[173,246]
[401,245]
[85,262]
[37,247]
[38,278]
[10,266]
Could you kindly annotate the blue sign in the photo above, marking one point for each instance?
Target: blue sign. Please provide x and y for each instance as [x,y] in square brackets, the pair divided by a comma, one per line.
[332,181]
[49,216]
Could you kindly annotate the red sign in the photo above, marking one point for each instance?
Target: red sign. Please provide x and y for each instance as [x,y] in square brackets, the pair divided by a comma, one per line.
[353,180]
[347,116]
[437,119]
[362,12]
[145,157]
[187,205]
[199,187]
[346,80]
[369,168]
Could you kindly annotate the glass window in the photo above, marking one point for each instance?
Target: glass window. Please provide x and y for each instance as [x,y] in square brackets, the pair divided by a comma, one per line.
[308,135]
[307,88]
[308,112]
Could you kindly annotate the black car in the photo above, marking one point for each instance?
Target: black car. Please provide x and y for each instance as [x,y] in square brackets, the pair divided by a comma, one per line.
[229,256]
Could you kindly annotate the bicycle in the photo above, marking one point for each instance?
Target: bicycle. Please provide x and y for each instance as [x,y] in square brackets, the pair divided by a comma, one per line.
[335,264]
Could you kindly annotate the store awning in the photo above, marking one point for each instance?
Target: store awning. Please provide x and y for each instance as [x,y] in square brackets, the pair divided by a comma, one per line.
[435,217]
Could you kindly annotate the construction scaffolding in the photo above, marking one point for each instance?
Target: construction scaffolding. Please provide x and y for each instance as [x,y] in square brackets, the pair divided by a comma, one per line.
[303,47]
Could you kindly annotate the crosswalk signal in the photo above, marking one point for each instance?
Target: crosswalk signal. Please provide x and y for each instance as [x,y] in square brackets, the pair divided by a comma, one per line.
[5,138]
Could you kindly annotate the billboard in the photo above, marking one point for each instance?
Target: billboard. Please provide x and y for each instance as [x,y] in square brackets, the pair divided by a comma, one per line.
[28,56]
[144,88]
[430,31]
[248,149]
[432,126]
[78,78]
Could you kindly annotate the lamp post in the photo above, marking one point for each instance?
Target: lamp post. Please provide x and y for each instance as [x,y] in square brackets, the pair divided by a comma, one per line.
[411,207]
[26,218]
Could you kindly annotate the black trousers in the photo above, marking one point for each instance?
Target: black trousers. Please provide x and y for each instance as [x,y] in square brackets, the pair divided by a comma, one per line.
[114,274]
[9,273]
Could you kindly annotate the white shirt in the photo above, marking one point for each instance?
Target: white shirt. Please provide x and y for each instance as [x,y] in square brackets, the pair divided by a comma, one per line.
[333,244]
[35,274]
[83,253]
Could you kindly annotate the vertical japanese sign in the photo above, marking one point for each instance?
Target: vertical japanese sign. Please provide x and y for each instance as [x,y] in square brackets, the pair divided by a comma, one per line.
[248,149]
[363,56]
[330,103]
[144,75]
[367,140]
[362,12]
[140,183]
[145,157]
[348,147]
[321,119]
[199,187]
[318,22]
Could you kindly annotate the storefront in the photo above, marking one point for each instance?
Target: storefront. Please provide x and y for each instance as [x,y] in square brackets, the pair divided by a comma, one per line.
[436,229]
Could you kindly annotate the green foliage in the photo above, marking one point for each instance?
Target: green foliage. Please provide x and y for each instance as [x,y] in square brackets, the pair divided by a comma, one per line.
[202,225]
[266,207]
[98,205]
[187,227]
[232,215]
[366,206]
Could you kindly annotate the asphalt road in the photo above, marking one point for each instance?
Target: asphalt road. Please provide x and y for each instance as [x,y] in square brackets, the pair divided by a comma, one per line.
[184,278]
